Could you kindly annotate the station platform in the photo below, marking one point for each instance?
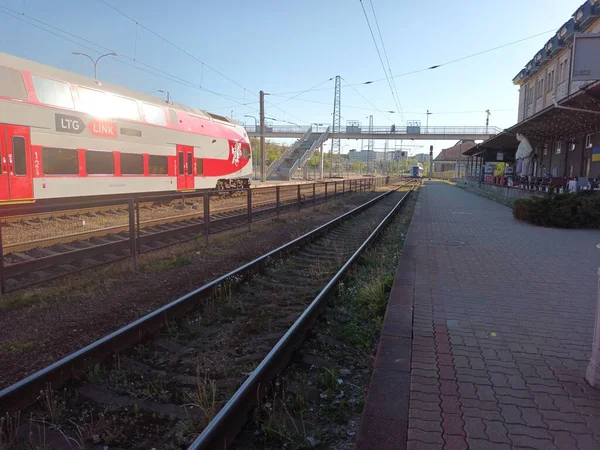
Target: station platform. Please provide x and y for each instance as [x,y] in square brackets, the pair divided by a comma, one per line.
[487,334]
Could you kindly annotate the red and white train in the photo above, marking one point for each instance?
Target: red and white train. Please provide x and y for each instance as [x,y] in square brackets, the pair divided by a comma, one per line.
[63,135]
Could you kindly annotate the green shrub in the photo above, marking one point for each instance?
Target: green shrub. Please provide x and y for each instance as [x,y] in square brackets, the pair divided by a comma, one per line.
[577,210]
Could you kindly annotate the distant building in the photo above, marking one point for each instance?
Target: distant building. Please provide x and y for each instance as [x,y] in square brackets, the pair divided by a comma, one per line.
[449,157]
[421,157]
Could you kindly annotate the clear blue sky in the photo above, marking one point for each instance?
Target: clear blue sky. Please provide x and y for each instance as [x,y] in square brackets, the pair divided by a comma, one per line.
[283,46]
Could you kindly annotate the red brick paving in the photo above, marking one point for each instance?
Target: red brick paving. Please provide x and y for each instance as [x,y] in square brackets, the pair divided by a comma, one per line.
[501,332]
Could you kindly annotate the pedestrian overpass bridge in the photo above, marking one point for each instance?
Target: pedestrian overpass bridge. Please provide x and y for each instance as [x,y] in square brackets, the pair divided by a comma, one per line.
[310,139]
[441,133]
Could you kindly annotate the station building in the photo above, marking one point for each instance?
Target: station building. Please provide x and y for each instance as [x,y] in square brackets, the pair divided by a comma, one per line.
[558,115]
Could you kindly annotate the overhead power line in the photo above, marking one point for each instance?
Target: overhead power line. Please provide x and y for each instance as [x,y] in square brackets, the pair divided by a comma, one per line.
[395,89]
[305,91]
[369,101]
[153,70]
[387,77]
[175,46]
[437,65]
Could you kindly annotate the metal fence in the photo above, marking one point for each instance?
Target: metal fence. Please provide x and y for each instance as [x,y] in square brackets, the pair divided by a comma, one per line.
[42,243]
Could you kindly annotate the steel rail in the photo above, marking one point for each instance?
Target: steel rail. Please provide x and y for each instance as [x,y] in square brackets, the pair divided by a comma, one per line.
[221,431]
[99,232]
[25,392]
[182,233]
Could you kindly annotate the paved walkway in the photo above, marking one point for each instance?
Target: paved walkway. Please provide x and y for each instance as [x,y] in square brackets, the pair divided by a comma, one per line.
[500,338]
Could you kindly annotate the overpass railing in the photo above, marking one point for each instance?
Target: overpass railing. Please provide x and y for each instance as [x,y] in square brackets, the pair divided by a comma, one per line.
[309,152]
[448,130]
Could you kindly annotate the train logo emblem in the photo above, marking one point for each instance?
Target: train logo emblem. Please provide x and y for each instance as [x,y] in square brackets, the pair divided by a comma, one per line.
[236,153]
[69,124]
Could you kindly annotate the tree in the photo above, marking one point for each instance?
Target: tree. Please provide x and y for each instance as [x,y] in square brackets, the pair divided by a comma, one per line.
[272,150]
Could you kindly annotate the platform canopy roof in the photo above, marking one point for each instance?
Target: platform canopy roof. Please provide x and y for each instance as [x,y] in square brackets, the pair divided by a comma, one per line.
[575,116]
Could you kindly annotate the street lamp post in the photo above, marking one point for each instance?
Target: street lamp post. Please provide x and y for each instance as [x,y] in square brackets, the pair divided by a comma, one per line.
[255,121]
[95,61]
[427,122]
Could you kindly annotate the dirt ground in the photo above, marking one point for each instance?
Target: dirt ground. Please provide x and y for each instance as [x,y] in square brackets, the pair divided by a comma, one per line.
[39,326]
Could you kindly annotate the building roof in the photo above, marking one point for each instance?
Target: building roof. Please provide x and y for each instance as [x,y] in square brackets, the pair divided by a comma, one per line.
[574,116]
[587,12]
[453,153]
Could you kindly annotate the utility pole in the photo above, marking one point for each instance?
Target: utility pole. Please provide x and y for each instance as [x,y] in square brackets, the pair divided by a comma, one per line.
[430,161]
[262,138]
[335,150]
[370,144]
[487,120]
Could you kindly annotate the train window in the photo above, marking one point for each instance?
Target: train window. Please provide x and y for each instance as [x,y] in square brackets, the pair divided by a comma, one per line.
[99,163]
[180,162]
[12,84]
[158,165]
[18,143]
[190,164]
[173,117]
[93,102]
[125,108]
[60,161]
[52,92]
[246,151]
[132,164]
[154,114]
[199,166]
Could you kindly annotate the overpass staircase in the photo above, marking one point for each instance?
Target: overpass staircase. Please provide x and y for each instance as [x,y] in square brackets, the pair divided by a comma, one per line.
[295,157]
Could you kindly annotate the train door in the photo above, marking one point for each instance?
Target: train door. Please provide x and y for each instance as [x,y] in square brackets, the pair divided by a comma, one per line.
[16,181]
[185,167]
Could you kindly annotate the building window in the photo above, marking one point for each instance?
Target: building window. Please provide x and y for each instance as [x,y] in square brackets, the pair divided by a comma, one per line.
[545,151]
[561,71]
[558,148]
[53,93]
[540,87]
[12,84]
[199,166]
[571,169]
[99,163]
[125,108]
[18,144]
[154,114]
[158,165]
[550,81]
[588,141]
[132,164]
[60,161]
[572,146]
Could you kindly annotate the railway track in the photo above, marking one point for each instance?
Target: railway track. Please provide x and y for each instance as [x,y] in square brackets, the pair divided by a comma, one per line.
[188,373]
[35,262]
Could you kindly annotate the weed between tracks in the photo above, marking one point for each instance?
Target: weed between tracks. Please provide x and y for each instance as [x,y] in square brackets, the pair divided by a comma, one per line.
[318,400]
[157,395]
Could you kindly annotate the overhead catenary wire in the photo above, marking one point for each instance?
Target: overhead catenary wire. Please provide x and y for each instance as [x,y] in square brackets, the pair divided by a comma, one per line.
[175,46]
[436,66]
[395,89]
[387,77]
[368,101]
[134,63]
[153,70]
[305,91]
